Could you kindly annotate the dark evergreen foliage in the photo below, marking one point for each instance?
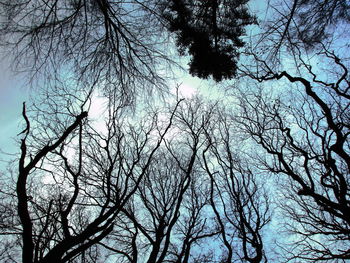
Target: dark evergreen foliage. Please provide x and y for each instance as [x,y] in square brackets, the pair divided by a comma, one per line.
[210,32]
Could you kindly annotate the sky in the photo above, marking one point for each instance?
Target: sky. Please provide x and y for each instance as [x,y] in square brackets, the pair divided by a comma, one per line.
[13,93]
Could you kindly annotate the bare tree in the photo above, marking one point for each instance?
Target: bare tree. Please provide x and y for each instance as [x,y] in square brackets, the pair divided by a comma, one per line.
[74,180]
[307,140]
[116,44]
[286,27]
[164,219]
[155,216]
[195,225]
[241,207]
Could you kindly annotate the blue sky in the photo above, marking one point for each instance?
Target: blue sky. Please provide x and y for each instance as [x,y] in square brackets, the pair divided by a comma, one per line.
[12,94]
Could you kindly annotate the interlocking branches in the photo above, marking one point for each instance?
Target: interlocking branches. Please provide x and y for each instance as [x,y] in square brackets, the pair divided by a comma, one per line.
[240,206]
[112,43]
[71,191]
[308,141]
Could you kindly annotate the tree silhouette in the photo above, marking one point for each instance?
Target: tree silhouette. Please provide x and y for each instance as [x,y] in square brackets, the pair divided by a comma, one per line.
[210,32]
[308,142]
[187,182]
[239,202]
[111,44]
[74,181]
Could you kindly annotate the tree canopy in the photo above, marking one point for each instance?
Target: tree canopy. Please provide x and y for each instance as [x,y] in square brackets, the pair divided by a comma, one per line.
[210,32]
[260,173]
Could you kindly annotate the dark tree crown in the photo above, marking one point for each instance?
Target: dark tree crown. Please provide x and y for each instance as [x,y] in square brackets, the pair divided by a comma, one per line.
[209,31]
